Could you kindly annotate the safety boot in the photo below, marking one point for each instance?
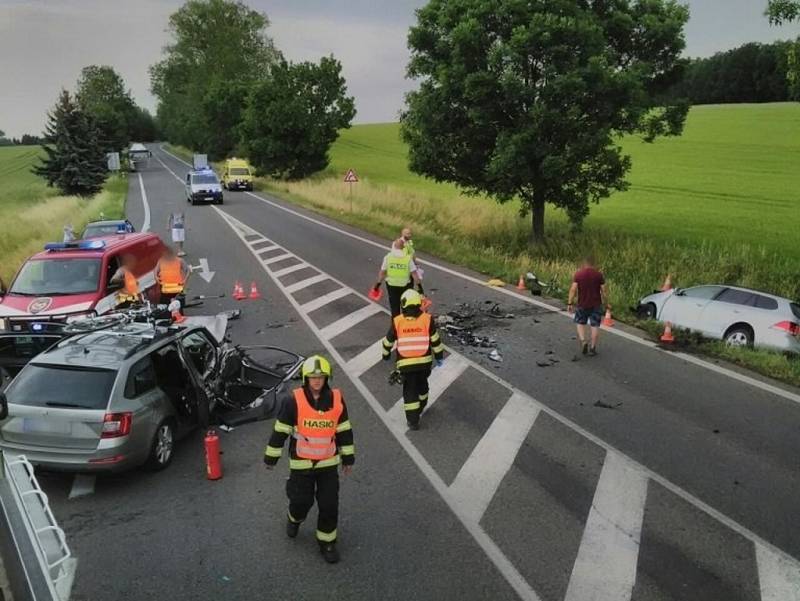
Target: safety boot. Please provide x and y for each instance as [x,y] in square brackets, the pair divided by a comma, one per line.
[413,425]
[329,552]
[292,528]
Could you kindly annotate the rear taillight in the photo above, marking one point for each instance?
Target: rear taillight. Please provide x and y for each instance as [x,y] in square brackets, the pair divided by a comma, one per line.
[789,327]
[116,425]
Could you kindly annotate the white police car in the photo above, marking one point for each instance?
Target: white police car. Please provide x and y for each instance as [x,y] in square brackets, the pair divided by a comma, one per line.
[203,185]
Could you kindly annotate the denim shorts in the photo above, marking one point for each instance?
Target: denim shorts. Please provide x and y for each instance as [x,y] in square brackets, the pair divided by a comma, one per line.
[593,316]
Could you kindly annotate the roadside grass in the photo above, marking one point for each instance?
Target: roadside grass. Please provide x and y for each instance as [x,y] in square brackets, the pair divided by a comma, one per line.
[717,205]
[32,214]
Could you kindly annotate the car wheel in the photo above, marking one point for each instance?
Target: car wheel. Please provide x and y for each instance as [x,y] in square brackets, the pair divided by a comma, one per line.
[740,335]
[647,311]
[163,446]
[220,201]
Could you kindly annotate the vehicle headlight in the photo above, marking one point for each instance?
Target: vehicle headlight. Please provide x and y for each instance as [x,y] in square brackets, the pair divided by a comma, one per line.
[3,323]
[78,316]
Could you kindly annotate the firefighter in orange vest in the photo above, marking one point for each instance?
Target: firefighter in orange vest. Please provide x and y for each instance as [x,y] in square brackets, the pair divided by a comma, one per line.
[129,292]
[418,344]
[321,439]
[171,275]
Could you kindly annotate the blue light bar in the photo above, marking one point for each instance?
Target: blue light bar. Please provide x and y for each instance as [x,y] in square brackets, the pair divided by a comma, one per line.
[80,245]
[122,228]
[37,327]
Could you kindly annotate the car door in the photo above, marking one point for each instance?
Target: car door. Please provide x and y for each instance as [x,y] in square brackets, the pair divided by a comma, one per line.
[685,308]
[729,307]
[201,356]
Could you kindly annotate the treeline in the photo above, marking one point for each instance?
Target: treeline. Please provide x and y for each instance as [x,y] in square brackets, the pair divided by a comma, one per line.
[751,73]
[25,140]
[224,88]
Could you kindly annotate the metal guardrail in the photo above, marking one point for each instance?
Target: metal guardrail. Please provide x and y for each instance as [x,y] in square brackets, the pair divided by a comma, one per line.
[48,540]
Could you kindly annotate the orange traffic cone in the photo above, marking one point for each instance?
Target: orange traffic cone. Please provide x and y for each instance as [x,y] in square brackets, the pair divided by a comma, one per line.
[667,335]
[521,283]
[254,293]
[238,291]
[607,320]
[667,284]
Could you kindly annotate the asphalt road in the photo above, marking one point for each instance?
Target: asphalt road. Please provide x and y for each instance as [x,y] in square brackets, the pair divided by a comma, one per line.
[681,483]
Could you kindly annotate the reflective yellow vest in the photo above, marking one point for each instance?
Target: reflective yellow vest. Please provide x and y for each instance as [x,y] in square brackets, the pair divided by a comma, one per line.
[398,270]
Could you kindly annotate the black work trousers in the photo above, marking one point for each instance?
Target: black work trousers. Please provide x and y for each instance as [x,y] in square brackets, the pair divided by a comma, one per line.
[303,486]
[394,293]
[415,393]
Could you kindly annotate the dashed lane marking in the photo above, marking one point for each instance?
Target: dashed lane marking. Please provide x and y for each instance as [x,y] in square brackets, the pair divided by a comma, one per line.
[766,387]
[605,569]
[145,205]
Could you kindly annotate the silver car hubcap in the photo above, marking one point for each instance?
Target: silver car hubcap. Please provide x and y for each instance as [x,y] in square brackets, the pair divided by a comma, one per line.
[738,339]
[164,444]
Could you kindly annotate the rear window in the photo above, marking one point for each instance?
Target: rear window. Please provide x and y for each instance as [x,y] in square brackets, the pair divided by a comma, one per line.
[62,387]
[239,171]
[765,302]
[204,179]
[795,309]
[51,277]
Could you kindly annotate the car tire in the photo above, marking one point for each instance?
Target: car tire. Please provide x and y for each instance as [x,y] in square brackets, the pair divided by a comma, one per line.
[162,448]
[647,311]
[740,335]
[220,201]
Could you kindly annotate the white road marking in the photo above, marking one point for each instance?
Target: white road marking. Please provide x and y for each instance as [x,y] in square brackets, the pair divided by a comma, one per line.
[481,475]
[489,547]
[323,300]
[292,269]
[779,579]
[365,360]
[314,279]
[145,204]
[350,320]
[605,569]
[276,258]
[786,394]
[441,378]
[82,485]
[269,247]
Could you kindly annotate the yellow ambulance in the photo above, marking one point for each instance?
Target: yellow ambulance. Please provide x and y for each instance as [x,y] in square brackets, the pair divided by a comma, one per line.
[237,175]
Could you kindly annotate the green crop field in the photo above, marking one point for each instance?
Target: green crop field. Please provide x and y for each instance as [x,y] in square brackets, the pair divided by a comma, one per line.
[32,214]
[719,204]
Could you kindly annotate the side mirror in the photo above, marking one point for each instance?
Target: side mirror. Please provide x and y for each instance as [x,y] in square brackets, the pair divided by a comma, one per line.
[3,406]
[680,292]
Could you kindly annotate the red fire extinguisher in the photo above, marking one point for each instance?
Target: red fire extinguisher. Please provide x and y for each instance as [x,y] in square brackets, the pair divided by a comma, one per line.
[213,459]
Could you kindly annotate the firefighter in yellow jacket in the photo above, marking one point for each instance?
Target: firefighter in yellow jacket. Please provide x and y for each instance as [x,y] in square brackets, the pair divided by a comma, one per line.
[321,439]
[418,344]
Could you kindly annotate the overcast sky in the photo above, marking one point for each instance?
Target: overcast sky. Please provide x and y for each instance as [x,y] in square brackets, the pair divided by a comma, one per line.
[44,44]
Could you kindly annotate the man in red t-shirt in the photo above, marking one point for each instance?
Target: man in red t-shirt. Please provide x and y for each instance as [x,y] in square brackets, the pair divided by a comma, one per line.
[590,287]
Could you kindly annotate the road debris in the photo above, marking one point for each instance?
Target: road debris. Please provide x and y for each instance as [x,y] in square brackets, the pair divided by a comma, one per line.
[603,405]
[495,356]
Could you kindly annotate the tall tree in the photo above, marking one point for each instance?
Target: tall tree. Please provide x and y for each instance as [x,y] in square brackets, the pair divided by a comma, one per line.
[75,162]
[783,11]
[528,98]
[219,49]
[102,95]
[292,118]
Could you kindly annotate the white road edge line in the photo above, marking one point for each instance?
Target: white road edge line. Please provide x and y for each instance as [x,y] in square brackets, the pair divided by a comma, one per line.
[488,463]
[778,579]
[145,204]
[605,568]
[649,473]
[489,547]
[314,279]
[628,336]
[82,485]
[350,320]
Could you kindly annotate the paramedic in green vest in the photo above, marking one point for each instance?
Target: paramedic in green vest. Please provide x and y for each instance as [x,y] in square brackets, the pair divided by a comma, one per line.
[400,273]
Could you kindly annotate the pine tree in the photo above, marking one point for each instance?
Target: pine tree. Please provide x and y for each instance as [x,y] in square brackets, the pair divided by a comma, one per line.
[75,161]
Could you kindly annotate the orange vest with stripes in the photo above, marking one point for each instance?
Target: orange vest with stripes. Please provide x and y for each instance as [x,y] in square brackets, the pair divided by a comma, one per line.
[413,335]
[316,430]
[170,276]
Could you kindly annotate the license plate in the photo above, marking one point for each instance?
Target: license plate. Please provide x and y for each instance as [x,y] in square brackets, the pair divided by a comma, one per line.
[42,426]
[209,198]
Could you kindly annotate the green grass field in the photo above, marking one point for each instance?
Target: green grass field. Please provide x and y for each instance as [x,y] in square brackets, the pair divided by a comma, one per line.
[718,204]
[32,214]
